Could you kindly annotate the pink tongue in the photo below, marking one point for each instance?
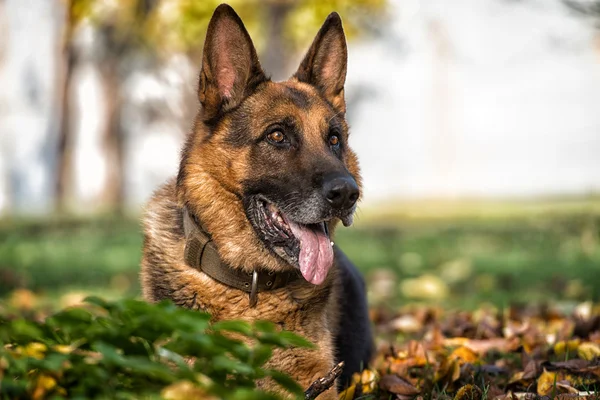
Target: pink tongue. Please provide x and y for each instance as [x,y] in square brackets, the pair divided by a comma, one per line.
[316,252]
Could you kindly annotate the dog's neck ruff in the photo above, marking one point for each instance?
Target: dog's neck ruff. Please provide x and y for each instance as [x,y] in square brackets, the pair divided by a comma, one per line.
[201,254]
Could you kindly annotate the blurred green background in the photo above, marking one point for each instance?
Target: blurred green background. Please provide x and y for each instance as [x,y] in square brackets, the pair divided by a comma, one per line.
[454,255]
[491,132]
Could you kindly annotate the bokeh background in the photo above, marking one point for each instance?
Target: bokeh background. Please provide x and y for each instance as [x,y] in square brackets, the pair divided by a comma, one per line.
[477,123]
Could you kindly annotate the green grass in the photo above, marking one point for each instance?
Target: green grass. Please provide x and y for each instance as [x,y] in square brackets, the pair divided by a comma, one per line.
[457,260]
[497,261]
[60,255]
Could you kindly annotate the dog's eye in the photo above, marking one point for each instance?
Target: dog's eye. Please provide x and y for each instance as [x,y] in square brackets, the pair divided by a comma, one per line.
[334,140]
[276,137]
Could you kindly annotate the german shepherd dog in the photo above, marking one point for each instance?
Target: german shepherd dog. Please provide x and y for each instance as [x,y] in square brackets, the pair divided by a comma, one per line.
[266,174]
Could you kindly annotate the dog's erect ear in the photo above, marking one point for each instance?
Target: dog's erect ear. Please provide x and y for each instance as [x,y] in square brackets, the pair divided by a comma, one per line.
[324,66]
[230,67]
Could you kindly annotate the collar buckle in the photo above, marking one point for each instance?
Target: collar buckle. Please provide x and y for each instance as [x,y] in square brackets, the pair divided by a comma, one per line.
[253,296]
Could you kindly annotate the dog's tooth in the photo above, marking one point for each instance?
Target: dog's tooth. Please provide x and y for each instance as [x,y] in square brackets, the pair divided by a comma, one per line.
[332,244]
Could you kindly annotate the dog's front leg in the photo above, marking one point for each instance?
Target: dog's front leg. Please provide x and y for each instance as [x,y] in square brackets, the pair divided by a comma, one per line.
[303,365]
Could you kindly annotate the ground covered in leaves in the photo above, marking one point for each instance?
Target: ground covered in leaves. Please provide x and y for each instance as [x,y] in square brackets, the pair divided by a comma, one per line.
[423,352]
[516,353]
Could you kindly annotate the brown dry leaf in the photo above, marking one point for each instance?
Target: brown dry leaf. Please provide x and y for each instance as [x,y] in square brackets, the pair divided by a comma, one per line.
[414,355]
[448,372]
[595,370]
[395,384]
[482,346]
[565,387]
[494,391]
[516,377]
[575,365]
[435,338]
[514,328]
[469,392]
[537,334]
[532,369]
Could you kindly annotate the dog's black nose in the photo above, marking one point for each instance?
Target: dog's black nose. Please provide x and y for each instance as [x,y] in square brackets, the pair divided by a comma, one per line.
[341,192]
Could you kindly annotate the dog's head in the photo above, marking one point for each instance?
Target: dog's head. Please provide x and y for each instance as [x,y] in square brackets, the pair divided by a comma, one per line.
[274,154]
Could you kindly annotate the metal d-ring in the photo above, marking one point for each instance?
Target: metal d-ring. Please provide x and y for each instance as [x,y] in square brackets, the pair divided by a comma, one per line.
[254,289]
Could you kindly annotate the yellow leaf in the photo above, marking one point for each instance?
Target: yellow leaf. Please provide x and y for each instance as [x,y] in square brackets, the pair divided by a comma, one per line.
[368,380]
[566,347]
[469,392]
[348,394]
[516,377]
[463,355]
[547,383]
[449,371]
[588,351]
[183,390]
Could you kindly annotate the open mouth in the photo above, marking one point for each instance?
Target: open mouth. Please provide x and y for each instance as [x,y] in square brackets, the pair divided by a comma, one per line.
[307,246]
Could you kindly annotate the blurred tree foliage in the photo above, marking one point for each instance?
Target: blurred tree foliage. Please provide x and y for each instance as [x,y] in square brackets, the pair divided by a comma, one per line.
[166,26]
[155,29]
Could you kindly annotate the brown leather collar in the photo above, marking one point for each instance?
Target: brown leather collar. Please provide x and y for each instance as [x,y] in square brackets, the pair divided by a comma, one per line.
[201,253]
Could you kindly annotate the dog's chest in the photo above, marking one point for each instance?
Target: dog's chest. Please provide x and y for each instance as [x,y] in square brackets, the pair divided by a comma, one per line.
[299,308]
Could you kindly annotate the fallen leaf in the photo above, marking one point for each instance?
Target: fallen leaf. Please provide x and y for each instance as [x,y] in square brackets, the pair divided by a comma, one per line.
[532,369]
[448,372]
[566,347]
[546,384]
[483,346]
[348,394]
[469,392]
[588,351]
[368,381]
[463,355]
[395,384]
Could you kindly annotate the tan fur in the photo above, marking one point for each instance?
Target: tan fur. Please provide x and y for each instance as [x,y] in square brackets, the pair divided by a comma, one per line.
[301,307]
[210,184]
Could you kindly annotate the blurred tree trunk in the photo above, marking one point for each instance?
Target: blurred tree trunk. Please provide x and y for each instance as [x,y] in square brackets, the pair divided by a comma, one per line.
[113,141]
[65,145]
[65,129]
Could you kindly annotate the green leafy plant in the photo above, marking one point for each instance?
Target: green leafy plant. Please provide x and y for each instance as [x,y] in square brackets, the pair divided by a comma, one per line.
[132,349]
